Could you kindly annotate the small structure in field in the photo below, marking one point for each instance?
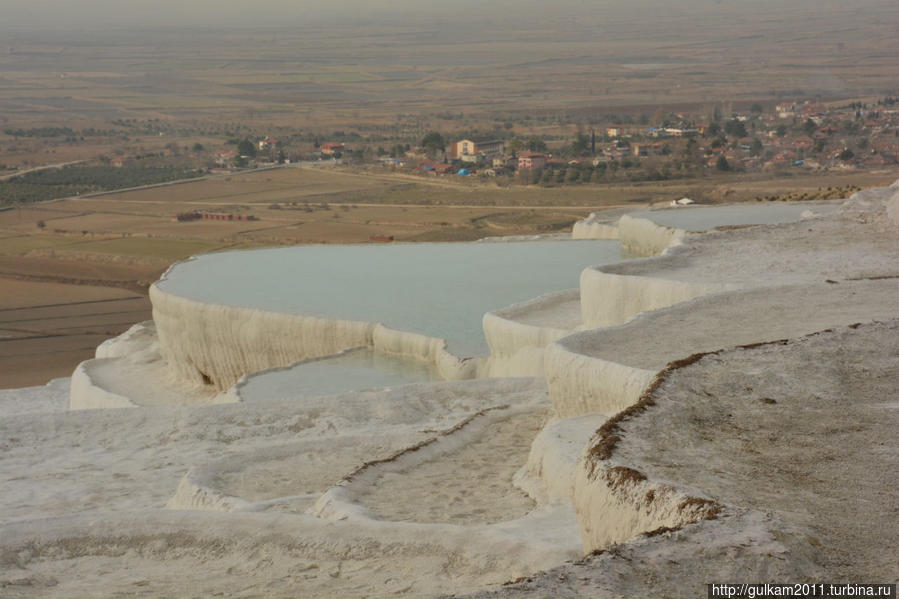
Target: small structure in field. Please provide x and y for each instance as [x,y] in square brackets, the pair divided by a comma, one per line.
[191,216]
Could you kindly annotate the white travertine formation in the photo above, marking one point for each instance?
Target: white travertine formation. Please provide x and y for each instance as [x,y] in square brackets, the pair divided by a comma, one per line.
[614,507]
[139,338]
[197,491]
[215,345]
[517,335]
[783,281]
[594,226]
[341,502]
[254,480]
[129,371]
[609,298]
[86,391]
[210,344]
[580,384]
[86,394]
[893,205]
[427,349]
[642,237]
[548,475]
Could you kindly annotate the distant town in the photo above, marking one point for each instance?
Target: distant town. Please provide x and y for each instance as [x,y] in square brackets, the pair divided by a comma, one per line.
[789,136]
[544,150]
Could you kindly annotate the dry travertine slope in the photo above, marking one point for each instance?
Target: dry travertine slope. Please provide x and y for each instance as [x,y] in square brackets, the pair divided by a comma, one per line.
[83,512]
[789,445]
[794,440]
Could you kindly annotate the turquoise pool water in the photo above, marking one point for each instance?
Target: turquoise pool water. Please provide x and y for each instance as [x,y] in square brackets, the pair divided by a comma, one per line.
[437,289]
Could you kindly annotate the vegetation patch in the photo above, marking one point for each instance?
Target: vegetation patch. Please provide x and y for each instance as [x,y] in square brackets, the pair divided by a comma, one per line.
[54,183]
[709,510]
[659,531]
[622,475]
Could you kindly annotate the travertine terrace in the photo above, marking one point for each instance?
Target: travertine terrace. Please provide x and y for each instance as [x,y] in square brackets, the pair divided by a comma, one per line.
[720,412]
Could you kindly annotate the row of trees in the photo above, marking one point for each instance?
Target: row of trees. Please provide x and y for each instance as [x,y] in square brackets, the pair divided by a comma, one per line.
[603,172]
[73,180]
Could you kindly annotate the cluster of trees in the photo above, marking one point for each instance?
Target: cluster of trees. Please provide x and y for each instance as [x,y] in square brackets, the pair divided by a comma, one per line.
[395,151]
[433,142]
[603,172]
[246,148]
[42,132]
[68,133]
[73,180]
[528,144]
[734,128]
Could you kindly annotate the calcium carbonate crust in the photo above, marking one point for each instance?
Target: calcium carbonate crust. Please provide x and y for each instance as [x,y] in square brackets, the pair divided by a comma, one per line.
[214,345]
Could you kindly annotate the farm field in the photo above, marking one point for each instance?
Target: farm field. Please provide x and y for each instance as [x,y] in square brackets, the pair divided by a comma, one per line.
[46,329]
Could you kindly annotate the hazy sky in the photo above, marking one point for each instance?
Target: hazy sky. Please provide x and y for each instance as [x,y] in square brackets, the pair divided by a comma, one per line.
[52,14]
[103,14]
[69,14]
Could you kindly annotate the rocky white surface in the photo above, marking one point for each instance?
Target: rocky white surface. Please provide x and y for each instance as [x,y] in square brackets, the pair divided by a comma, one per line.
[52,397]
[195,501]
[795,441]
[730,465]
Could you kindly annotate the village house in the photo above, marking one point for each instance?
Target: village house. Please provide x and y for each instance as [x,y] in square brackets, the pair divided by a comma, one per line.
[531,160]
[885,146]
[331,148]
[781,159]
[476,150]
[809,109]
[503,161]
[225,157]
[803,143]
[614,152]
[435,168]
[624,130]
[787,110]
[555,163]
[875,160]
[653,149]
[267,143]
[681,131]
[392,162]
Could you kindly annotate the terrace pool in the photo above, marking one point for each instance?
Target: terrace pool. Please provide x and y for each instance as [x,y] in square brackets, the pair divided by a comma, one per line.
[702,218]
[440,290]
[353,370]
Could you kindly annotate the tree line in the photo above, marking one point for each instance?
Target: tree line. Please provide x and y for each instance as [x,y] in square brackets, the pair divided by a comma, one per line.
[68,181]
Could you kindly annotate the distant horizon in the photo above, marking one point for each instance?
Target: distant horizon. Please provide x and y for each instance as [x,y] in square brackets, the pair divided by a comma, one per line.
[102,15]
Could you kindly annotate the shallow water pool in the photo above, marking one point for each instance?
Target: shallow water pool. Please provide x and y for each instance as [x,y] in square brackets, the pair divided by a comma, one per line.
[702,218]
[441,290]
[353,370]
